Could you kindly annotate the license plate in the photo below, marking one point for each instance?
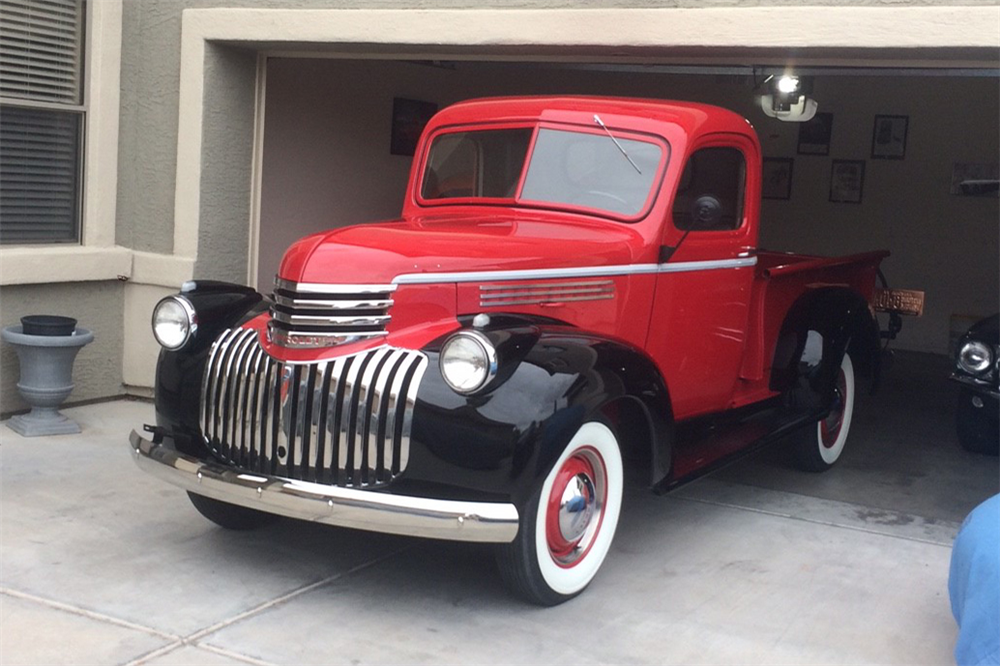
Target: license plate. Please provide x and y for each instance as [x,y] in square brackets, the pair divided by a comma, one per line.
[900,301]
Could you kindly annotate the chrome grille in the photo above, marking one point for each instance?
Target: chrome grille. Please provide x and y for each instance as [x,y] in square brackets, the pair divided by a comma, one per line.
[342,422]
[505,295]
[325,315]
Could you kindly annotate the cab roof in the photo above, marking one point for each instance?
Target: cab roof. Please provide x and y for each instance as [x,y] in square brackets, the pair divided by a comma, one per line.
[693,118]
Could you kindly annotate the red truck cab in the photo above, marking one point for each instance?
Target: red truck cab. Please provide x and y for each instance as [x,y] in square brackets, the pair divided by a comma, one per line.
[573,282]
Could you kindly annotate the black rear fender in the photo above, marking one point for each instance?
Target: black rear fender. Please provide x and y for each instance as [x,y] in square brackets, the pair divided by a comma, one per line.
[818,329]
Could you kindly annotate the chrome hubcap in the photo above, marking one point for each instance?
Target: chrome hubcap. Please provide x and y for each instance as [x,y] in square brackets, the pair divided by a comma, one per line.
[577,507]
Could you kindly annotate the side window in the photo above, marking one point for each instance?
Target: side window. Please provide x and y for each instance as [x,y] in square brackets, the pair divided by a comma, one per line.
[719,173]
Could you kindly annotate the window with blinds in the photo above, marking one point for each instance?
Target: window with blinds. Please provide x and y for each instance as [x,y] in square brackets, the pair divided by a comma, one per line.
[41,120]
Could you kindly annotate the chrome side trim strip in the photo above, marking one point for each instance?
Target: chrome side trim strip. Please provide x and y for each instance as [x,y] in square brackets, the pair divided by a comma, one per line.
[577,272]
[484,522]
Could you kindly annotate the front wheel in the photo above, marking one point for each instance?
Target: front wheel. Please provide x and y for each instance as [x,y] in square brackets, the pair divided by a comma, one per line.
[819,447]
[568,525]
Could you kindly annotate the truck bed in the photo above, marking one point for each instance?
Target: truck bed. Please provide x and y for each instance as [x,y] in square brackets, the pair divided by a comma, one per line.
[780,280]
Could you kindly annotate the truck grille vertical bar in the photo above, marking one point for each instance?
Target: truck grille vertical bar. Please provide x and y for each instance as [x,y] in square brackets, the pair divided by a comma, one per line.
[266,450]
[333,398]
[317,430]
[345,421]
[376,426]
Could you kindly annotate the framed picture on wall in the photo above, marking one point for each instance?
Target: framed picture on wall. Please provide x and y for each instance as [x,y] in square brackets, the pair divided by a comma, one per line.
[814,135]
[847,178]
[777,178]
[409,117]
[889,137]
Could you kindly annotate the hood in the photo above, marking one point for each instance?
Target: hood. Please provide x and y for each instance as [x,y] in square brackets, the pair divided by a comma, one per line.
[379,252]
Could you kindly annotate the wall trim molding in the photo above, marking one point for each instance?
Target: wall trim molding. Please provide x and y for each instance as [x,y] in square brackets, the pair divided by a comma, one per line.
[74,263]
[47,264]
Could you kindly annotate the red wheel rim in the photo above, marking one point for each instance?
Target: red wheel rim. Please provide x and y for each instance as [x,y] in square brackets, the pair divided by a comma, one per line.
[568,552]
[830,426]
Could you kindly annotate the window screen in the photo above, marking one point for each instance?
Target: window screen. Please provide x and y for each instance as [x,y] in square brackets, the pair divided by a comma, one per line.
[715,172]
[41,119]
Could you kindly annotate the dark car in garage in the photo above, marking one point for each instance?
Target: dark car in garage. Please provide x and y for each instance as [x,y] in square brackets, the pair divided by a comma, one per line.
[977,369]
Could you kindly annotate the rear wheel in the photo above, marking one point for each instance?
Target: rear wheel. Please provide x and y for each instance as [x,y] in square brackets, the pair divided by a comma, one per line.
[819,447]
[568,525]
[230,516]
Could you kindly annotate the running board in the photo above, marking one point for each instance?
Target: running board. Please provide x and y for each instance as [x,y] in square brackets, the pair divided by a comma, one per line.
[707,444]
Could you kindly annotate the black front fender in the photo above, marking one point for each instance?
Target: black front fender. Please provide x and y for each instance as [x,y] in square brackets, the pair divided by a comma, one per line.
[217,306]
[505,439]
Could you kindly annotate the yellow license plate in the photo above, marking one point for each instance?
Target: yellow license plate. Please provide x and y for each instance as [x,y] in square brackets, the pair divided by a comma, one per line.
[900,301]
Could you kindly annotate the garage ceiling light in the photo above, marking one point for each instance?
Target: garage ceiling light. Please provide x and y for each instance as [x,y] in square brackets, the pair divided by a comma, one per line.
[788,84]
[788,98]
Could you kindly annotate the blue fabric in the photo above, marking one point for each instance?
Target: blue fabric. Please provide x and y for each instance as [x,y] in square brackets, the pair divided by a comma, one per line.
[974,586]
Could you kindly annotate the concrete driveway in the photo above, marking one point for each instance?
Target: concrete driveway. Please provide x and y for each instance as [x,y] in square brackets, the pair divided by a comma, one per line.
[758,564]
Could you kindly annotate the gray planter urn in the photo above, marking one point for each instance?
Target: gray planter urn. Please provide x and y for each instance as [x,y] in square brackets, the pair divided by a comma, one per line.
[46,379]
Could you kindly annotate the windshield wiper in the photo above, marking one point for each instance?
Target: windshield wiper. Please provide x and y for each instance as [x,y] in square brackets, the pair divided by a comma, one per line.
[597,119]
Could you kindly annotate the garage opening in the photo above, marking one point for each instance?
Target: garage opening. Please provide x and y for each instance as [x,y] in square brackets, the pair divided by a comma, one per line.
[328,160]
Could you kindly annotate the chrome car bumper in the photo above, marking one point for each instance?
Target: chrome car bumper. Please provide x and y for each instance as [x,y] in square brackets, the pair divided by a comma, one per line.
[491,522]
[980,387]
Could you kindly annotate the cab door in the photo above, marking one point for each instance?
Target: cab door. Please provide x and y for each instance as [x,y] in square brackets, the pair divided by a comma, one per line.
[698,329]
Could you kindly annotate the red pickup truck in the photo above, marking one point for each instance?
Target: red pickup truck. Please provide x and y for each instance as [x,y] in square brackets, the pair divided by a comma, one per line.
[575,286]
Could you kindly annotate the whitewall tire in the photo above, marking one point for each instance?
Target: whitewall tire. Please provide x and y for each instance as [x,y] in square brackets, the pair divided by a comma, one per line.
[568,525]
[821,446]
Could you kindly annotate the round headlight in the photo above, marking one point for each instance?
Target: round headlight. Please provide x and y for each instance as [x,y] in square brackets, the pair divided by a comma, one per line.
[975,357]
[468,361]
[173,322]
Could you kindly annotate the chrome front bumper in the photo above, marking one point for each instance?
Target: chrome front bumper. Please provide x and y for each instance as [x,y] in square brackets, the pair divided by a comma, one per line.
[489,522]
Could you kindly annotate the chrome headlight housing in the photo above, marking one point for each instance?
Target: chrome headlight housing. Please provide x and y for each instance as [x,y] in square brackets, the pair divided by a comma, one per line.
[174,322]
[468,361]
[975,357]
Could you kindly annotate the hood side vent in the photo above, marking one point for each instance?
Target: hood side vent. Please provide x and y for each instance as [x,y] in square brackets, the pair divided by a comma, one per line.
[544,293]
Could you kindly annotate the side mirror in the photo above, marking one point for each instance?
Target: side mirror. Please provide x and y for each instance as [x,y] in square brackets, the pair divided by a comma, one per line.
[706,213]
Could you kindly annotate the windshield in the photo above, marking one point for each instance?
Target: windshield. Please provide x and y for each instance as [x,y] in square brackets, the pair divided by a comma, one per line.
[485,164]
[573,169]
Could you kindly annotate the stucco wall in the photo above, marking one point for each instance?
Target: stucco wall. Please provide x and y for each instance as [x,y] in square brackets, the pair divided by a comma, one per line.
[230,75]
[98,307]
[151,72]
[327,163]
